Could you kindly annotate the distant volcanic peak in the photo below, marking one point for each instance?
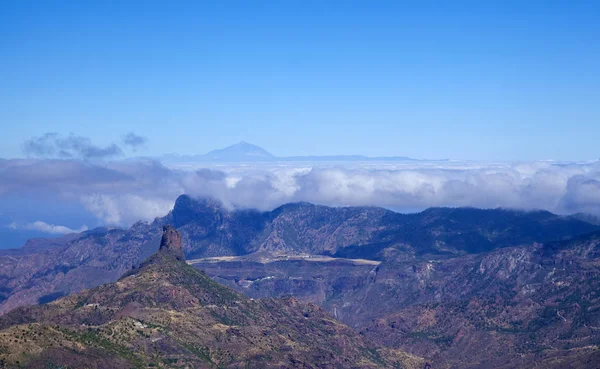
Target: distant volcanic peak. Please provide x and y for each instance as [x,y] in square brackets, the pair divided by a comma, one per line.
[241,151]
[246,148]
[171,243]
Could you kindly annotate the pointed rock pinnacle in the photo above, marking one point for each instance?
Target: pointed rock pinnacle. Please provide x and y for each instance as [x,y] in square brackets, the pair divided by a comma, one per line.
[171,243]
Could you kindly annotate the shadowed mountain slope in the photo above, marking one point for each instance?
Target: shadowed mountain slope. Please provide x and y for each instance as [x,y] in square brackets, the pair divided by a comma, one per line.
[211,230]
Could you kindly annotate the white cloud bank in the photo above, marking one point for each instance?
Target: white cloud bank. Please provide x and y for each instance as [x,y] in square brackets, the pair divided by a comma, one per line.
[123,192]
[47,228]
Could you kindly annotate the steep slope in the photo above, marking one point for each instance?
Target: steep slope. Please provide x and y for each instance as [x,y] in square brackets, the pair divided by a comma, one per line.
[515,307]
[510,307]
[168,314]
[361,232]
[90,260]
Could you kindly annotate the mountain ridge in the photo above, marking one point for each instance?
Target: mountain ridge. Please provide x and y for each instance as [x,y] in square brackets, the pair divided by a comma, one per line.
[246,152]
[168,314]
[208,229]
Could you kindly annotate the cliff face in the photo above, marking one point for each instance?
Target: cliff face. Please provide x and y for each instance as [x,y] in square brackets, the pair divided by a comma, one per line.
[171,243]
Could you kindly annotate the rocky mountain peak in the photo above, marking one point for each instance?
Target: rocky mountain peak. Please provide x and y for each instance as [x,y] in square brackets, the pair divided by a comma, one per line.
[188,209]
[171,243]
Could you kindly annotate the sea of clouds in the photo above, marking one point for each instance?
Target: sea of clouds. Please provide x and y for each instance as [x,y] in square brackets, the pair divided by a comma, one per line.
[121,192]
[69,184]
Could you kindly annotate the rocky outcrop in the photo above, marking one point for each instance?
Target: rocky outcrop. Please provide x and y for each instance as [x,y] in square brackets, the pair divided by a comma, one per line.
[171,243]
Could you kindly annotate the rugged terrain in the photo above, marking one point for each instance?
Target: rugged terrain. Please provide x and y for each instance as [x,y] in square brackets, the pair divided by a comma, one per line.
[168,314]
[464,287]
[510,307]
[43,271]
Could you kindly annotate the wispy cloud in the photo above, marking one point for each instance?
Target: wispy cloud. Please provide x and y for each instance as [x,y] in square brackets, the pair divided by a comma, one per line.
[53,145]
[134,141]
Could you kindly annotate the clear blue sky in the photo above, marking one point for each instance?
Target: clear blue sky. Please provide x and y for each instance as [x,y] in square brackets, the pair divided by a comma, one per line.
[472,80]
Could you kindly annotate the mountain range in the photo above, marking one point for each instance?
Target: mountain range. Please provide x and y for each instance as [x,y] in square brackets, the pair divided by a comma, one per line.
[459,287]
[167,314]
[246,152]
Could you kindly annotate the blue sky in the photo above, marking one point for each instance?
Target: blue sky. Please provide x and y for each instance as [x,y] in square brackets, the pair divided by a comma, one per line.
[486,80]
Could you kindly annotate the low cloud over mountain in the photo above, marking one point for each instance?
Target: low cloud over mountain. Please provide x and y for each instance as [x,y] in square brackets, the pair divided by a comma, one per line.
[47,228]
[122,192]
